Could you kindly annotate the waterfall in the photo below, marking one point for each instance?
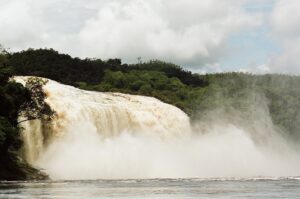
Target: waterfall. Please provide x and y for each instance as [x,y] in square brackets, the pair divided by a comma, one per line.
[97,135]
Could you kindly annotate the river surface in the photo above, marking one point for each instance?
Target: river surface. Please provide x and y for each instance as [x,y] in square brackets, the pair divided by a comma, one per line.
[154,188]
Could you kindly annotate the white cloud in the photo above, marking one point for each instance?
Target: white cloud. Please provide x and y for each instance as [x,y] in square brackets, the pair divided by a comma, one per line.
[256,69]
[286,31]
[187,32]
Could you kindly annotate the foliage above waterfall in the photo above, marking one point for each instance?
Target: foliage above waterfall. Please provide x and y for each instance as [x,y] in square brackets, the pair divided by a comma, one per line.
[61,67]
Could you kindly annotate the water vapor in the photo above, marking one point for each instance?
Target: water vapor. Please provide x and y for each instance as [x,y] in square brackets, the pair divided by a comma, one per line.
[117,136]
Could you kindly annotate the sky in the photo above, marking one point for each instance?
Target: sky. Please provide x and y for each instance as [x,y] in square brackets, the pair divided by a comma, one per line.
[256,36]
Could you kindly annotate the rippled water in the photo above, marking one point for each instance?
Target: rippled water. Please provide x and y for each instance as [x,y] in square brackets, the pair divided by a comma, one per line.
[155,188]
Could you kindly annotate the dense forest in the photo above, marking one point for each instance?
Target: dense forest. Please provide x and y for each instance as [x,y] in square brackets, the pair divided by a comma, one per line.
[195,94]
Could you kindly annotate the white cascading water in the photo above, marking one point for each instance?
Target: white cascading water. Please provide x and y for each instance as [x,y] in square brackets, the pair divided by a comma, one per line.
[118,136]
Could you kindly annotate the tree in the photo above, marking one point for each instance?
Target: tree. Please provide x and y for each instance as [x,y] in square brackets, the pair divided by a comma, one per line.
[36,107]
[3,56]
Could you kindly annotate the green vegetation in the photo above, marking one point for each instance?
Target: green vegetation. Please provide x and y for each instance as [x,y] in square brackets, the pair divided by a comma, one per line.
[14,101]
[249,93]
[12,97]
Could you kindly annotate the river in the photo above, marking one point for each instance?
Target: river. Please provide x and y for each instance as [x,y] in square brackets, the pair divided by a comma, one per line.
[154,188]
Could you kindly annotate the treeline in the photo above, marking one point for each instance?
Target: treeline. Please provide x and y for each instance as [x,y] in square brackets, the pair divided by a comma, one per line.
[62,67]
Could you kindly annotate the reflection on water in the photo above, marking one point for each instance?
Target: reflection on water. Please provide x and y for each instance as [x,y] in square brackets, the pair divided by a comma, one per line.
[155,188]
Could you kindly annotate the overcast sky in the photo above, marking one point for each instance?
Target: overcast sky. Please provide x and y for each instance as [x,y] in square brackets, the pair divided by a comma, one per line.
[203,35]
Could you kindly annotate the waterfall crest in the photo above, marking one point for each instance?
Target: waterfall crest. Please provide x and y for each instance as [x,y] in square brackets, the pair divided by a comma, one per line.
[109,114]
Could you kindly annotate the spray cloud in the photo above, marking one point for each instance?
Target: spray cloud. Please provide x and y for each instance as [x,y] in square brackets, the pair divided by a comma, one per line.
[114,136]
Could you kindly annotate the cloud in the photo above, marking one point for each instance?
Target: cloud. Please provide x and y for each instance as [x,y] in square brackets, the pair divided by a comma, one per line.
[286,31]
[187,32]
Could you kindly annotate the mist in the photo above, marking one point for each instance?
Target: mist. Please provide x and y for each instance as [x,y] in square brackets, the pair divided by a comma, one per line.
[224,152]
[156,141]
